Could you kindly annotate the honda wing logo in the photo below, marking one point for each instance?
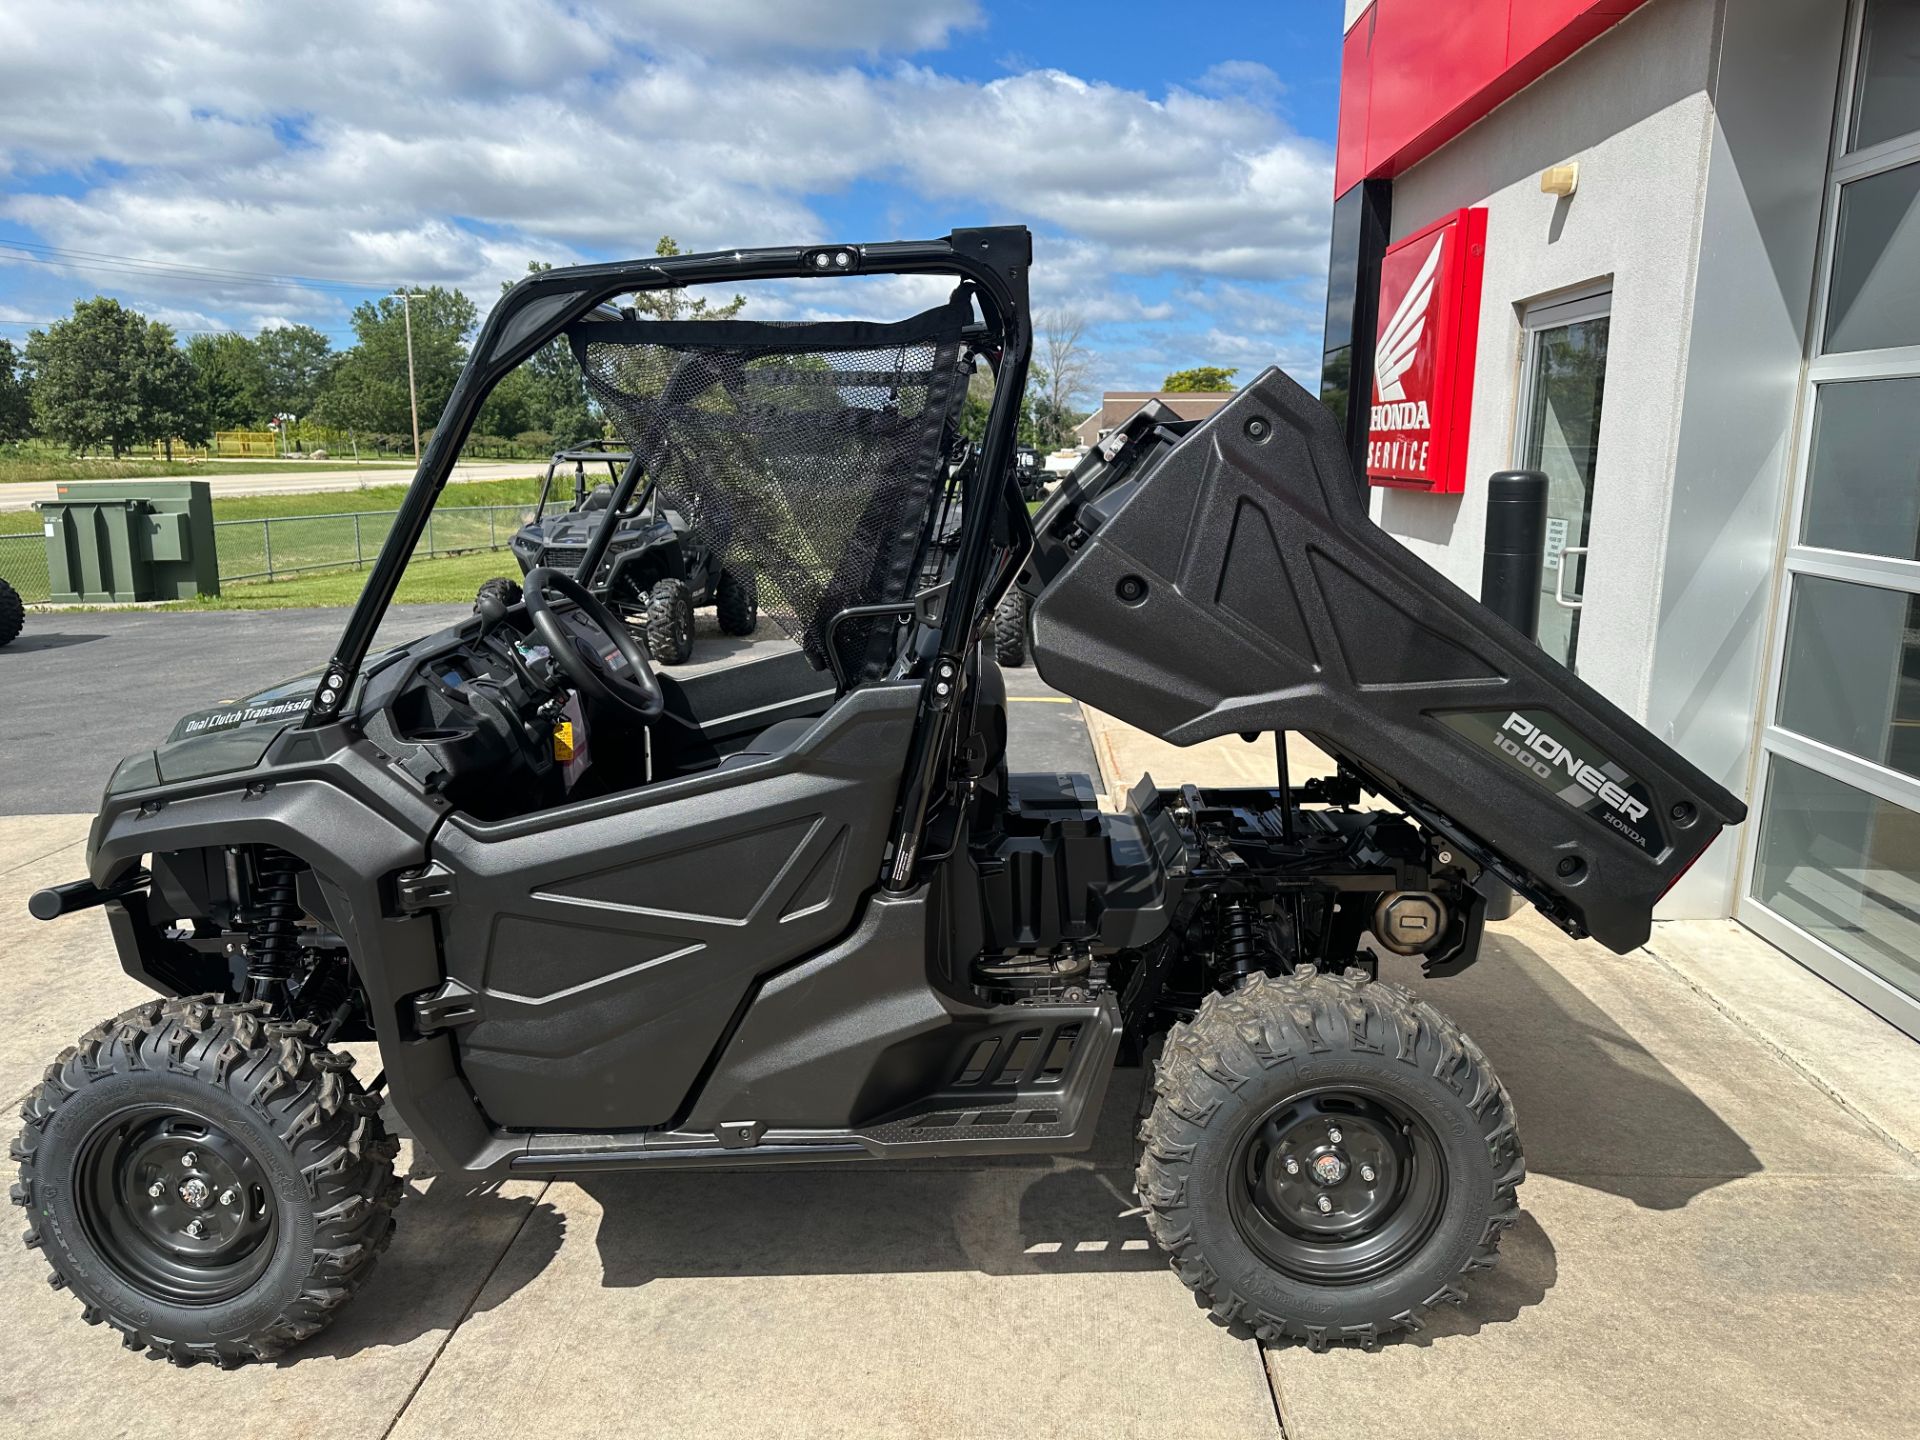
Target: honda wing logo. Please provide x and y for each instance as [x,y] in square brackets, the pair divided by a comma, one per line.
[1400,342]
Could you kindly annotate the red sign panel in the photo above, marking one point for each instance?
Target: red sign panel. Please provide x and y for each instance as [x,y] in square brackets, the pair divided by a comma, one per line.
[1422,401]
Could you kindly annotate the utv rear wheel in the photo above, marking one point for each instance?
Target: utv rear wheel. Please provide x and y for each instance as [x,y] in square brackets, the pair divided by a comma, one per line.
[13,614]
[670,622]
[211,1183]
[506,591]
[1010,629]
[737,603]
[1326,1158]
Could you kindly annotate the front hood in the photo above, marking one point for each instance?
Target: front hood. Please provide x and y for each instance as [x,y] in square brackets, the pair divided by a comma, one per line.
[229,737]
[277,704]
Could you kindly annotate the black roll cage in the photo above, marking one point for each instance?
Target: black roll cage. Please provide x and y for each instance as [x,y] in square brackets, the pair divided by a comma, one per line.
[598,452]
[541,308]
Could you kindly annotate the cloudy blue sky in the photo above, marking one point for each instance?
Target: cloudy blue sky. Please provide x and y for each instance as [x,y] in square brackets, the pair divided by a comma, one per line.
[1175,163]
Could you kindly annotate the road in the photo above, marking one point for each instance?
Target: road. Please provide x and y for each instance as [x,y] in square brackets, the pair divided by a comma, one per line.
[24,494]
[81,689]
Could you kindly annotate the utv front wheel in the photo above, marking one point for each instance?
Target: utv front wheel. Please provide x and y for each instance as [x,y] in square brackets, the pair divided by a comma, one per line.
[737,603]
[1010,629]
[670,622]
[1326,1158]
[211,1183]
[13,614]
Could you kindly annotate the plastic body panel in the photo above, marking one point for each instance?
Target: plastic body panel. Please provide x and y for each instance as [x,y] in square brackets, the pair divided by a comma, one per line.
[609,945]
[1237,584]
[341,806]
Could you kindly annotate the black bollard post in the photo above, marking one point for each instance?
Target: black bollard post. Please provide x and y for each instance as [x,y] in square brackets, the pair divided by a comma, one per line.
[1516,551]
[1516,548]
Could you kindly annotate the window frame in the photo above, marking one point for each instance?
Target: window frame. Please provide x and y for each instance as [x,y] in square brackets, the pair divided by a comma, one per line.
[1798,558]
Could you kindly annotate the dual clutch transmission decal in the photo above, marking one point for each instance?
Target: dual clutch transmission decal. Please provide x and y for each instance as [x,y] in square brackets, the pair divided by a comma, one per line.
[1567,763]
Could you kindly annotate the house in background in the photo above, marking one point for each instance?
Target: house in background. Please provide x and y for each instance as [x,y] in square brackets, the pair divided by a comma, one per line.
[1117,405]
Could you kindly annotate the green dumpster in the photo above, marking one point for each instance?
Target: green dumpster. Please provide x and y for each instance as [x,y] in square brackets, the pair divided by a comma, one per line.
[114,540]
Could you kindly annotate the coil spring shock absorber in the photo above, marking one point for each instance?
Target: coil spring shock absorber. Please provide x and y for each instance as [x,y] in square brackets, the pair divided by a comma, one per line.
[272,925]
[1240,949]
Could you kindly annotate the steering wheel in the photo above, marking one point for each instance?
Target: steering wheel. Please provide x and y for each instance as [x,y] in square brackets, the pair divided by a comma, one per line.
[617,671]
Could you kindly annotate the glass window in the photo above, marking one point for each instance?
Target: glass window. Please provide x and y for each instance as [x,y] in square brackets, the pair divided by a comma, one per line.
[1845,867]
[1336,380]
[1852,675]
[1567,381]
[1887,98]
[1863,480]
[1875,299]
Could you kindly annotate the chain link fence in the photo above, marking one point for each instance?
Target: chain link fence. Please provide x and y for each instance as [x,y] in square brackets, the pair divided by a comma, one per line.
[23,565]
[284,545]
[297,544]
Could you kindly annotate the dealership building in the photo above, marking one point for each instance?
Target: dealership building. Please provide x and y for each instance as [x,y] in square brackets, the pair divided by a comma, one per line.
[1668,252]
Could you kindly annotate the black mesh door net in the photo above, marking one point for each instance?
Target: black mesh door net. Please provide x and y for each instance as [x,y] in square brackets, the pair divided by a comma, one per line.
[809,452]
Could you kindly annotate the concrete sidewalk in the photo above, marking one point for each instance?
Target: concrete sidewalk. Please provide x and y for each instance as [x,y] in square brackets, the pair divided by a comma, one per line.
[1719,1239]
[1720,1229]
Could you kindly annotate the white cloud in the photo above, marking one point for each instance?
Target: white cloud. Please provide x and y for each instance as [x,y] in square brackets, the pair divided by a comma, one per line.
[444,142]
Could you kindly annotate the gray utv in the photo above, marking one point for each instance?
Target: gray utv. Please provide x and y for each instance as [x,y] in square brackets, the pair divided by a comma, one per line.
[660,566]
[808,908]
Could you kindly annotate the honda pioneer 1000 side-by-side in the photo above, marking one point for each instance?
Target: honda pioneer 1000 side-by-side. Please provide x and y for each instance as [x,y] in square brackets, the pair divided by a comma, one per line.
[660,566]
[808,908]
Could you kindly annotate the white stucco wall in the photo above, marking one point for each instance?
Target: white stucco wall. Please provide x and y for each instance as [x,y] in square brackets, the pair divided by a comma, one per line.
[1633,109]
[1701,129]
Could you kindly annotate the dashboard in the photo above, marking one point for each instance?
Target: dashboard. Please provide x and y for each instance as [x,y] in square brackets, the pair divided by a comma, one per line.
[483,715]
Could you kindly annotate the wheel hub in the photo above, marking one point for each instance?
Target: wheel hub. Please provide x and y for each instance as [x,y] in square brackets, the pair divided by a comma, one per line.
[177,1206]
[1330,1167]
[1338,1185]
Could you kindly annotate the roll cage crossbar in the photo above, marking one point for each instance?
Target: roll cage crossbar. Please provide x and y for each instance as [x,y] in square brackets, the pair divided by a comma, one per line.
[541,308]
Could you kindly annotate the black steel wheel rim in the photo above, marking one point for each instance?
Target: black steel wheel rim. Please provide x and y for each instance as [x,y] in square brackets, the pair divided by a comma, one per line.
[176,1206]
[1337,1186]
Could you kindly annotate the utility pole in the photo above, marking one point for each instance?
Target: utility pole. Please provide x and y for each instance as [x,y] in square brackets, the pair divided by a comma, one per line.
[413,392]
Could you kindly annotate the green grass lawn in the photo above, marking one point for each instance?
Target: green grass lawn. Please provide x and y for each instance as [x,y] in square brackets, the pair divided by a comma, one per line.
[521,491]
[60,468]
[448,580]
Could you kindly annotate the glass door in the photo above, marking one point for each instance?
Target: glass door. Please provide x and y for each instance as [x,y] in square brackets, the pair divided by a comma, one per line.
[1834,870]
[1562,386]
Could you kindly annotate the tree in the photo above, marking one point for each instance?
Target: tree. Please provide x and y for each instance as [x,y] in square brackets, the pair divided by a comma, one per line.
[1033,427]
[1201,378]
[294,363]
[86,369]
[546,391]
[229,384]
[16,396]
[1066,367]
[165,387]
[674,304]
[367,390]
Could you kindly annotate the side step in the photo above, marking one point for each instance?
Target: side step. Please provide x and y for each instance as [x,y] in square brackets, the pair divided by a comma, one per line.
[1034,1082]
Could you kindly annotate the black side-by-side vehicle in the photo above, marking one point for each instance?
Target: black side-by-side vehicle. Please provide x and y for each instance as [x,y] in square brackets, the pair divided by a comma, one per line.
[807,908]
[660,565]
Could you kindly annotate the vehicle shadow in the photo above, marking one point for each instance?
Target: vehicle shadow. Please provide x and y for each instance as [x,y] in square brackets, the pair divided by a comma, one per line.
[442,1265]
[30,640]
[1595,1107]
[1020,1215]
[1529,1267]
[1596,1110]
